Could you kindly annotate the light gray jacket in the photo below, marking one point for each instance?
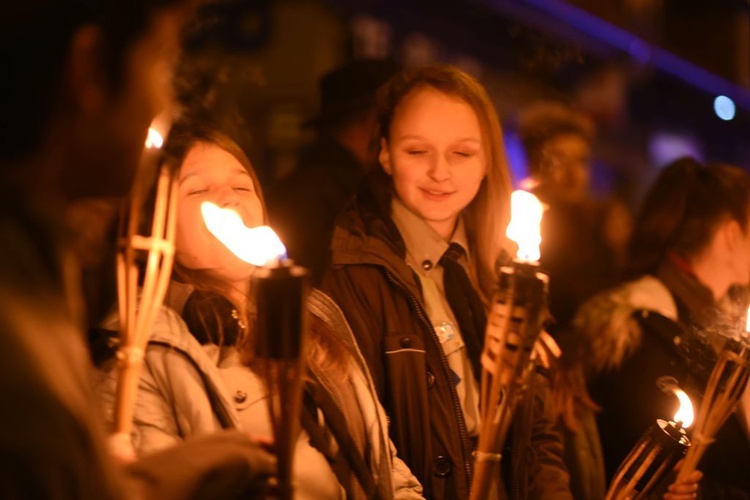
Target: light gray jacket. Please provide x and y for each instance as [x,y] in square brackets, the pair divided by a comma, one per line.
[182,394]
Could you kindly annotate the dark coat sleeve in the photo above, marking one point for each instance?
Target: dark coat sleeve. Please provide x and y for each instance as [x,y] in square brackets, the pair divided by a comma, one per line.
[547,474]
[362,314]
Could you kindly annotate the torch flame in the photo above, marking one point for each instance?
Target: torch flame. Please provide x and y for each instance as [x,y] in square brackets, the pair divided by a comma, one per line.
[525,221]
[154,139]
[257,246]
[685,412]
[747,323]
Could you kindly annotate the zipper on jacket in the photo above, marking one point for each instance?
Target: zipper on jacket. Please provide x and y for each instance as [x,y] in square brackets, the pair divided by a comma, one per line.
[446,369]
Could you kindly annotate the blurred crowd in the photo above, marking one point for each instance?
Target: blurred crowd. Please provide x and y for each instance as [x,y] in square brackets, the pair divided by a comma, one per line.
[399,210]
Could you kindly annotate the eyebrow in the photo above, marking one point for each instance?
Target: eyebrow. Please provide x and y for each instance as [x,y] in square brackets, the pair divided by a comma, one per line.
[240,171]
[419,137]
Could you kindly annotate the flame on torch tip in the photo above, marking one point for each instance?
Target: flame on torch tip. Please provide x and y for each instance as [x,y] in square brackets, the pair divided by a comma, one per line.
[747,323]
[525,221]
[685,412]
[154,140]
[257,246]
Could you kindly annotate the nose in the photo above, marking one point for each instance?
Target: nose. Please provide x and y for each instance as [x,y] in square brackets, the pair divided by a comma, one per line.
[439,169]
[228,197]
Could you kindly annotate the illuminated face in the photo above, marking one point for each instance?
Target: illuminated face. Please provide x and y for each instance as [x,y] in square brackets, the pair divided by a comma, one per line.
[435,156]
[210,173]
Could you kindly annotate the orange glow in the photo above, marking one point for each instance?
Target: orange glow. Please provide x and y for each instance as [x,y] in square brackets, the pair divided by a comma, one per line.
[257,246]
[525,221]
[685,412]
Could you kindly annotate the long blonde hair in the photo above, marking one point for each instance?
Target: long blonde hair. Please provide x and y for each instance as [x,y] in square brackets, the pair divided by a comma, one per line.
[487,215]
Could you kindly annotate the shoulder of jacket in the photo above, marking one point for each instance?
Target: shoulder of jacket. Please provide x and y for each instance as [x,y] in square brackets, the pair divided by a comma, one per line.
[607,325]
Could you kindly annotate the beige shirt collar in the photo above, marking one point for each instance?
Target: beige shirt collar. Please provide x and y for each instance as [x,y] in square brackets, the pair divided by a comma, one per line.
[424,247]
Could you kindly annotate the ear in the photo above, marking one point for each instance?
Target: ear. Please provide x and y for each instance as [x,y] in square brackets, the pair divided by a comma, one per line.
[731,233]
[385,156]
[86,81]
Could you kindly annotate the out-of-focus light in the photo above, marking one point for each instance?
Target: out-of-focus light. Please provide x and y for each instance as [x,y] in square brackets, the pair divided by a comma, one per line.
[154,139]
[724,107]
[666,146]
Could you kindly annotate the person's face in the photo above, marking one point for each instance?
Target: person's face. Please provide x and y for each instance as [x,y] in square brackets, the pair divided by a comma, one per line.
[566,165]
[118,114]
[435,156]
[210,173]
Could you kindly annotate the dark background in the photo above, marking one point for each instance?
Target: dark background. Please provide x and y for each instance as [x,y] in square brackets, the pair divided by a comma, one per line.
[647,71]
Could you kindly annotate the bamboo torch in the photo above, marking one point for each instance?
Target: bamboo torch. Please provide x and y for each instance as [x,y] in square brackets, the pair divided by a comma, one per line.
[726,385]
[514,340]
[144,264]
[280,289]
[655,454]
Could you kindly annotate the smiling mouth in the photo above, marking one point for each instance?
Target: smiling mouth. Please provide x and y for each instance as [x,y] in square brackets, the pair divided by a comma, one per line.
[436,195]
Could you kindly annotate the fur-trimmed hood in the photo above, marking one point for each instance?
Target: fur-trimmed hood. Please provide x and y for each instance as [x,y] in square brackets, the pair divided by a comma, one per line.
[606,323]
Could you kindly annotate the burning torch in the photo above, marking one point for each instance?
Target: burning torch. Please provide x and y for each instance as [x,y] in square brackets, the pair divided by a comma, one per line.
[280,289]
[655,454]
[514,339]
[726,384]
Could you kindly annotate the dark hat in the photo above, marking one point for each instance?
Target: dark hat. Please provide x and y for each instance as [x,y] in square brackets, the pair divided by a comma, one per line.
[351,88]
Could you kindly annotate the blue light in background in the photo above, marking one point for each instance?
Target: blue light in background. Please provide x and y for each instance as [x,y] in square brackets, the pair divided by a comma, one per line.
[724,107]
[516,158]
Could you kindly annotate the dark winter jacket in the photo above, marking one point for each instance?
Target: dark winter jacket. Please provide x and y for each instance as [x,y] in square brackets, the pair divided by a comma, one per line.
[382,300]
[659,326]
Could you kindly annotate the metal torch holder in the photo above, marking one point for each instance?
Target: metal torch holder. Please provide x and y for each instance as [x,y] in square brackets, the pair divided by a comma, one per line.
[516,318]
[280,335]
[655,454]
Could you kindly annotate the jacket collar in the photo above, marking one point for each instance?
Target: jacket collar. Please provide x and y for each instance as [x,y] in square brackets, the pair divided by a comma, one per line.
[694,300]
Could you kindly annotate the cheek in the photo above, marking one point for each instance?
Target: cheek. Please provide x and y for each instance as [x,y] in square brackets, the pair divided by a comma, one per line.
[191,236]
[406,176]
[470,176]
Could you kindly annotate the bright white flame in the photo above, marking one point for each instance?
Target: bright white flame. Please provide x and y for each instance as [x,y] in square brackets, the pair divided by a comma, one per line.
[685,412]
[747,322]
[257,246]
[525,221]
[154,140]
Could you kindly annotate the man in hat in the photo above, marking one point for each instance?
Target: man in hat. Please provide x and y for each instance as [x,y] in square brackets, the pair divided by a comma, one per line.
[82,81]
[303,207]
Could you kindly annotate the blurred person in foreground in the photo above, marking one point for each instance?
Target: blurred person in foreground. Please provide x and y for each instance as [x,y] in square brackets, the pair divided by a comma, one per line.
[304,206]
[83,80]
[689,254]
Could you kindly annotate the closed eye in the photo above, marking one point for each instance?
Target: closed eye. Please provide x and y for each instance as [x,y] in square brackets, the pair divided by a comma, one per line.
[416,152]
[197,191]
[243,189]
[464,154]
